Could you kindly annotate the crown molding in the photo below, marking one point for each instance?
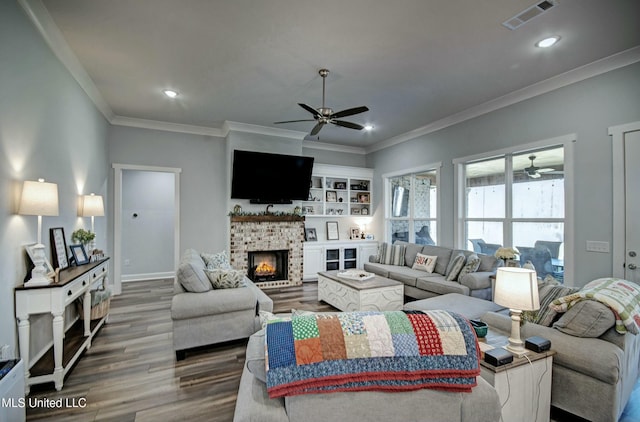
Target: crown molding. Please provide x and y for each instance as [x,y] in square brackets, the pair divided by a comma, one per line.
[167,126]
[607,64]
[41,19]
[229,126]
[333,147]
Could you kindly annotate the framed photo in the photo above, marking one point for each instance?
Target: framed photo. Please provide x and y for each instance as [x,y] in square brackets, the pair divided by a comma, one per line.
[31,254]
[310,235]
[355,211]
[363,198]
[332,230]
[512,263]
[332,196]
[79,254]
[58,248]
[354,233]
[339,185]
[365,211]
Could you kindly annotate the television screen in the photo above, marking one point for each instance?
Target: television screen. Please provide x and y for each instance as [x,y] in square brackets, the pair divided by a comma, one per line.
[270,178]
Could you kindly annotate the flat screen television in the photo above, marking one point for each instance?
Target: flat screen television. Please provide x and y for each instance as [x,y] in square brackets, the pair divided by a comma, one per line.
[266,178]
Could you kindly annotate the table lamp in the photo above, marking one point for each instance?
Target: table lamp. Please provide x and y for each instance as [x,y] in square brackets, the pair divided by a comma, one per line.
[39,198]
[92,206]
[517,289]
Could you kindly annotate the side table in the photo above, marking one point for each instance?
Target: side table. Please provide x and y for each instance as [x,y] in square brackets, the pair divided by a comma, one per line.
[524,385]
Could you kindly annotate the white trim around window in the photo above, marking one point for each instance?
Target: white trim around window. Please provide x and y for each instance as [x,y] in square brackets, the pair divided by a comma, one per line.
[567,142]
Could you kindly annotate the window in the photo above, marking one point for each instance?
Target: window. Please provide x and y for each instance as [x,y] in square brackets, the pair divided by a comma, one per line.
[411,207]
[517,199]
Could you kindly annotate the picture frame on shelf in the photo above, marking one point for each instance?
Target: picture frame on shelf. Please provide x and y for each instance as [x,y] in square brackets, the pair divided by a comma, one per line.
[332,230]
[363,198]
[332,196]
[339,185]
[79,254]
[310,235]
[365,211]
[31,254]
[354,233]
[58,248]
[355,211]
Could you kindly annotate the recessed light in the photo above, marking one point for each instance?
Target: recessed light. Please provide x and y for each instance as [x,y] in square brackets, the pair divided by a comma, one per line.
[170,93]
[548,42]
[368,127]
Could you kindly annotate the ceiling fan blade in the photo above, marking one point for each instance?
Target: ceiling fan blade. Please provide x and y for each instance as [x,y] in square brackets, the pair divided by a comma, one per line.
[294,121]
[349,112]
[316,129]
[347,124]
[310,110]
[545,170]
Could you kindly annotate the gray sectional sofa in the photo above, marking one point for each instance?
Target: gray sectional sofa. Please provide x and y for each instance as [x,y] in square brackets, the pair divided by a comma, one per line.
[253,403]
[203,315]
[420,284]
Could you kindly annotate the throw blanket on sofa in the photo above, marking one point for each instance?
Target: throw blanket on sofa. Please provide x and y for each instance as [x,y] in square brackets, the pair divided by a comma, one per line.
[359,351]
[622,296]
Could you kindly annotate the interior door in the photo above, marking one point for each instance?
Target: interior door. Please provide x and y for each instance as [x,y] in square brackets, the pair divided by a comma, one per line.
[632,209]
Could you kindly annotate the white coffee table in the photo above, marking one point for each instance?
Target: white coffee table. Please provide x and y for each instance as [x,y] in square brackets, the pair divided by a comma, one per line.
[375,294]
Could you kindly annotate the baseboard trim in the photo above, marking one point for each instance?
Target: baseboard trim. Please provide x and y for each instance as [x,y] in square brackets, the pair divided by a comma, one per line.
[126,278]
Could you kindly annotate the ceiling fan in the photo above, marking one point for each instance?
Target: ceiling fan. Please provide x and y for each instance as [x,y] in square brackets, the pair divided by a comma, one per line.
[324,115]
[534,172]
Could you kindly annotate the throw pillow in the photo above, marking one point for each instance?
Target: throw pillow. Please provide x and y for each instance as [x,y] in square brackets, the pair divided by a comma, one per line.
[214,261]
[587,318]
[545,315]
[392,254]
[192,277]
[471,265]
[424,263]
[454,267]
[225,279]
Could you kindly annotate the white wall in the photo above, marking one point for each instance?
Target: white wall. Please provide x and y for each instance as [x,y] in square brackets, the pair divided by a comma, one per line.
[586,108]
[49,129]
[148,213]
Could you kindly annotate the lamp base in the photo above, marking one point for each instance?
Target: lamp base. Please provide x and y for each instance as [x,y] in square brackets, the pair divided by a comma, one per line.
[516,345]
[516,351]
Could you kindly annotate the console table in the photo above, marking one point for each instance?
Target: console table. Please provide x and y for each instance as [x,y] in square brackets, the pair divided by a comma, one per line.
[74,282]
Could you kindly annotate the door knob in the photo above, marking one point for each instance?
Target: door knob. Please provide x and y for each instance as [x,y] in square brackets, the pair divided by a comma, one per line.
[632,266]
[632,254]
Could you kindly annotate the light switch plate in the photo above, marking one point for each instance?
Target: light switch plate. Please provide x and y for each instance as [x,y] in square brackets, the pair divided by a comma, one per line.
[597,246]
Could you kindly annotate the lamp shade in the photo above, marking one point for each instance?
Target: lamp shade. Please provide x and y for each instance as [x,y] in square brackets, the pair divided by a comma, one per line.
[517,288]
[39,198]
[92,206]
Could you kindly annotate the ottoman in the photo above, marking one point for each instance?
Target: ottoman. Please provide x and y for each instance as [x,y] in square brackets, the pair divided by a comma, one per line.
[467,306]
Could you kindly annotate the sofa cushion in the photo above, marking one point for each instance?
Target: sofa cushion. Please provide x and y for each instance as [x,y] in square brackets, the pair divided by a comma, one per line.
[471,265]
[191,275]
[455,266]
[405,275]
[378,269]
[476,281]
[411,250]
[424,263]
[438,284]
[470,307]
[255,357]
[391,254]
[225,279]
[587,318]
[213,302]
[443,254]
[488,263]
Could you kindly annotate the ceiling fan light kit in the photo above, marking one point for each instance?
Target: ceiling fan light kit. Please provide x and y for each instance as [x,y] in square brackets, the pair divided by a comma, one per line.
[324,115]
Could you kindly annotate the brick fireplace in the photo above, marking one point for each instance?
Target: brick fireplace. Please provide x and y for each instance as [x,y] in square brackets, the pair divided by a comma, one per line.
[268,233]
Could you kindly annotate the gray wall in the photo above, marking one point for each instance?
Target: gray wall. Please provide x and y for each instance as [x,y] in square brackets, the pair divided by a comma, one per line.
[202,180]
[50,129]
[587,108]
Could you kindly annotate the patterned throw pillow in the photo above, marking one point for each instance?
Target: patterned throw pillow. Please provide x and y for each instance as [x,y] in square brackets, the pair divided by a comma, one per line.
[391,254]
[214,261]
[424,263]
[545,315]
[471,266]
[454,267]
[225,279]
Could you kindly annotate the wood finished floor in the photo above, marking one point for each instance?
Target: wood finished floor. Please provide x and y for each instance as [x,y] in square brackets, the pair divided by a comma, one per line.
[130,372]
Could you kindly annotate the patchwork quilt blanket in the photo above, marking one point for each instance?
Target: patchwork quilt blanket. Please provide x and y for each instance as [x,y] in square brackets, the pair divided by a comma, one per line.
[360,351]
[621,296]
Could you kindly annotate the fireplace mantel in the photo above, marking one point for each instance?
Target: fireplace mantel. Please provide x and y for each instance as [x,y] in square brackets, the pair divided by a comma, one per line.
[265,217]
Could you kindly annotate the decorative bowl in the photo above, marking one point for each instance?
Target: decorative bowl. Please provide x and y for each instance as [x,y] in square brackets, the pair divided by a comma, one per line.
[480,328]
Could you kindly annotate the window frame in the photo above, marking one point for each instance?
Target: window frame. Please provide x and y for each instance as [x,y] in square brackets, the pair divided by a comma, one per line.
[565,141]
[388,218]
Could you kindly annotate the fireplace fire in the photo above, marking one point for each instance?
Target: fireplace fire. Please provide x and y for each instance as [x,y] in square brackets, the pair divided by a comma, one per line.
[268,265]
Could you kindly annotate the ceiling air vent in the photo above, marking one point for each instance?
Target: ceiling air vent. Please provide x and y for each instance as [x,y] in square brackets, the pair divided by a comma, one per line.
[528,14]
